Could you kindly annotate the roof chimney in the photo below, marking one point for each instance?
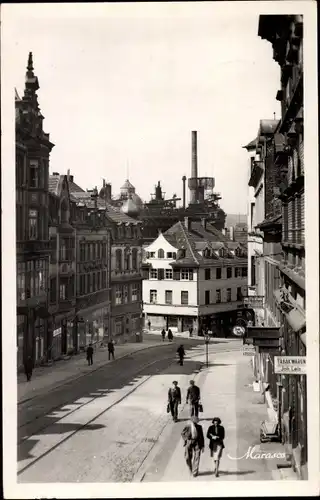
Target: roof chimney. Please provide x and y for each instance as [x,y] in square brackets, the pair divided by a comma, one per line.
[194,167]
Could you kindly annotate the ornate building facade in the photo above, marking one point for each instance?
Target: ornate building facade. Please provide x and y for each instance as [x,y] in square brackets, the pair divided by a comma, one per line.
[285,33]
[33,149]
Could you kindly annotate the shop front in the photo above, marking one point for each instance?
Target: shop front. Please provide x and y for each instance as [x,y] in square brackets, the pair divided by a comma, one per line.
[93,326]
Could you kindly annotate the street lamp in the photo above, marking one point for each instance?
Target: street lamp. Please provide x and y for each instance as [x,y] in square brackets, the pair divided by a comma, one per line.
[207,340]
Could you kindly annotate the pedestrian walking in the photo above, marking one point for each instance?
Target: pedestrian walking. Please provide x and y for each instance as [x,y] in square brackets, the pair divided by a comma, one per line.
[216,436]
[192,436]
[170,335]
[28,367]
[174,400]
[190,331]
[149,325]
[111,349]
[193,397]
[181,353]
[163,334]
[90,354]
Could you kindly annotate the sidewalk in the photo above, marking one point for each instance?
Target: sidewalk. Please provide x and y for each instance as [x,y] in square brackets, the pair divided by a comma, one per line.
[63,371]
[226,393]
[186,335]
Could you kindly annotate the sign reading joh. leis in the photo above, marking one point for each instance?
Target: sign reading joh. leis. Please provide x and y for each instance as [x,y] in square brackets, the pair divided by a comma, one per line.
[291,365]
[254,301]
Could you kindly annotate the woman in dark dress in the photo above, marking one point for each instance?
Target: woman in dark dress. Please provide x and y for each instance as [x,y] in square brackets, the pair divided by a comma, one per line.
[216,436]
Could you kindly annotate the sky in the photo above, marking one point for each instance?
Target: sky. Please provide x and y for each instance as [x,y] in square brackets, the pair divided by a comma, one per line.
[123,85]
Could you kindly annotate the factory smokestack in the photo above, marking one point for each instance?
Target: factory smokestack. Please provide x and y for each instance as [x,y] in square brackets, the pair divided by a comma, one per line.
[194,169]
[184,191]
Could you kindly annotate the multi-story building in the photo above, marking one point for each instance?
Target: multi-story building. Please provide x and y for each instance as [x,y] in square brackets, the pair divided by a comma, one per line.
[62,270]
[125,276]
[194,277]
[261,153]
[285,33]
[33,149]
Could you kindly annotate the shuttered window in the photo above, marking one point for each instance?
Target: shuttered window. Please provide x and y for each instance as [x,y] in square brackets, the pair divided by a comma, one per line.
[301,156]
[295,161]
[302,217]
[290,169]
[290,220]
[285,222]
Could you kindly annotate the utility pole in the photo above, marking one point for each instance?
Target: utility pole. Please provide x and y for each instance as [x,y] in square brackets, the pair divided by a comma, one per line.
[207,340]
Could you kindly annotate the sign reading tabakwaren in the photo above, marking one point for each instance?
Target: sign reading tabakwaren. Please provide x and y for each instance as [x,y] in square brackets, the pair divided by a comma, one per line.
[291,365]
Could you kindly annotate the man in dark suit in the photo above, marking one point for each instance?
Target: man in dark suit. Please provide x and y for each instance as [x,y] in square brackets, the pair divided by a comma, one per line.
[193,438]
[90,355]
[174,399]
[193,396]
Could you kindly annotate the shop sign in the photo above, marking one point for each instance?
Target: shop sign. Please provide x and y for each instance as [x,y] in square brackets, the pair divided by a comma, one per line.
[263,332]
[265,342]
[290,365]
[269,350]
[254,301]
[238,331]
[57,332]
[248,350]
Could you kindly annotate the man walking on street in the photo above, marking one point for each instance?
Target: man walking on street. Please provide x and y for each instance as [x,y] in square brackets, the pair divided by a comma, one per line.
[193,396]
[193,438]
[149,325]
[111,349]
[28,367]
[174,399]
[163,334]
[181,353]
[170,335]
[90,354]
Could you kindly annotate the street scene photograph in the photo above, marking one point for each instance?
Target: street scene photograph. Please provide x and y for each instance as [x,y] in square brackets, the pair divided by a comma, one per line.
[159,245]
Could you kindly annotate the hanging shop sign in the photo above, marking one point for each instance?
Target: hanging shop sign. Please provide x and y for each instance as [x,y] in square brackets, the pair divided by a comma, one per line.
[266,342]
[248,350]
[290,365]
[239,331]
[254,301]
[263,332]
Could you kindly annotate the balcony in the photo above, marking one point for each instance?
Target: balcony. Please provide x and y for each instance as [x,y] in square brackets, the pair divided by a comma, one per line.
[35,246]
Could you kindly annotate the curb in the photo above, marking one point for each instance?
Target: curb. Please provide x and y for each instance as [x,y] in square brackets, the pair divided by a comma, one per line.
[72,378]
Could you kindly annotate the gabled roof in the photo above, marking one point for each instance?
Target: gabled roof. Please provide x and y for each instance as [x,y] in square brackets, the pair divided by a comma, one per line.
[252,145]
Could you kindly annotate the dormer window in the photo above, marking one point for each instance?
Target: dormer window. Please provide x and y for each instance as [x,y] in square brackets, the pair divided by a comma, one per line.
[171,255]
[151,255]
[64,211]
[160,253]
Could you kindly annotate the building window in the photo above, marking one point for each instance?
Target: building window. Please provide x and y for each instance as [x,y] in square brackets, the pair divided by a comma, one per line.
[168,296]
[98,280]
[187,274]
[62,292]
[34,174]
[82,252]
[237,272]
[119,294]
[218,273]
[218,296]
[229,272]
[33,224]
[153,274]
[104,279]
[134,293]
[239,293]
[63,251]
[207,297]
[160,253]
[21,281]
[184,298]
[228,294]
[151,255]
[153,296]
[244,272]
[127,260]
[135,259]
[171,255]
[169,274]
[207,274]
[253,271]
[125,294]
[118,260]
